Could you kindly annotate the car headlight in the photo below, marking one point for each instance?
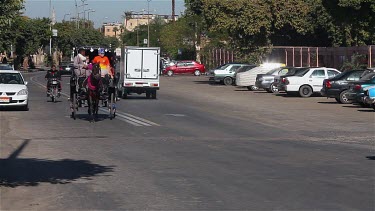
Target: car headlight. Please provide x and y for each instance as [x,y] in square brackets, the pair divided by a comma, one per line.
[23,92]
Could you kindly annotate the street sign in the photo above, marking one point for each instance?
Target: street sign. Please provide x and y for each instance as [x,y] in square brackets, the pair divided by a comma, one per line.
[145,41]
[54,32]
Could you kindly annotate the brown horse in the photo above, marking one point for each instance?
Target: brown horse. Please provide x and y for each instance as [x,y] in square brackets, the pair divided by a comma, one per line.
[94,84]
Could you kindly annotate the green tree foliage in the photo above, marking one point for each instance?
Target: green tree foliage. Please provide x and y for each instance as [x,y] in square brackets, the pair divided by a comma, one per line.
[9,10]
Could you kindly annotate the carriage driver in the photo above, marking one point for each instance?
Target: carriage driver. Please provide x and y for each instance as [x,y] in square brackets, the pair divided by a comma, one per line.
[103,61]
[81,72]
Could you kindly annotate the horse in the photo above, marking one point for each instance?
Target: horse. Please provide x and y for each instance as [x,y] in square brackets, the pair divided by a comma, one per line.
[94,85]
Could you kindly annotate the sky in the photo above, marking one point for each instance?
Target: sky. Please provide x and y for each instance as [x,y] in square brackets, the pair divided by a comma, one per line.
[105,10]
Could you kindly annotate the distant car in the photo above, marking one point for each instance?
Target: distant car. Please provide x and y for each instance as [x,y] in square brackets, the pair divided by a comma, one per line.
[309,81]
[6,67]
[227,73]
[266,81]
[370,96]
[280,80]
[338,86]
[66,68]
[356,92]
[13,90]
[185,67]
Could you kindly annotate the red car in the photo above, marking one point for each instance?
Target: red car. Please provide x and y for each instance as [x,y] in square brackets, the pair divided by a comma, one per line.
[183,67]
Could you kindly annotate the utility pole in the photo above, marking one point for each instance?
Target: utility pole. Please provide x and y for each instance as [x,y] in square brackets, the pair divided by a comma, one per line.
[50,26]
[173,10]
[148,23]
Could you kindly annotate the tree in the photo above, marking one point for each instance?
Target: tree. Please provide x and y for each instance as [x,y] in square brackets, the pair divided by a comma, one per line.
[9,10]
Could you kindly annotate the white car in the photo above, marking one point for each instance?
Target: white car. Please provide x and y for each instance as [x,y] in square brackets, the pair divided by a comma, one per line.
[308,81]
[13,90]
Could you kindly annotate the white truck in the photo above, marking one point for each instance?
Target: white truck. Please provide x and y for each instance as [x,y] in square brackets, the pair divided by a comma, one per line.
[139,71]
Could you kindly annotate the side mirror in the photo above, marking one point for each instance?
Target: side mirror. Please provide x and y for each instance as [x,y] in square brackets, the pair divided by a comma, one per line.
[26,83]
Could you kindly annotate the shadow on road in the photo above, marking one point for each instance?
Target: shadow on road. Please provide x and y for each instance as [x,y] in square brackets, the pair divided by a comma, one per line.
[329,103]
[31,171]
[369,110]
[212,83]
[371,157]
[86,117]
[10,109]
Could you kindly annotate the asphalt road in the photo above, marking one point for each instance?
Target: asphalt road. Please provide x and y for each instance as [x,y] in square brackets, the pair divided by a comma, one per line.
[197,147]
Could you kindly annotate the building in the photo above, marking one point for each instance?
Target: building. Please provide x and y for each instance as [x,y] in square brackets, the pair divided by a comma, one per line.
[138,19]
[112,29]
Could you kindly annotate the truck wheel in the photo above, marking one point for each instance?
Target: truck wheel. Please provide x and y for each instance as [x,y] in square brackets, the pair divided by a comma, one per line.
[153,94]
[124,95]
[148,94]
[170,73]
[343,98]
[228,81]
[305,91]
[197,73]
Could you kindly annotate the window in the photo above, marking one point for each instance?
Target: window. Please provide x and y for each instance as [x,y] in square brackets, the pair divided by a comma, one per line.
[318,74]
[331,73]
[354,76]
[283,71]
[189,63]
[180,64]
[234,68]
[108,30]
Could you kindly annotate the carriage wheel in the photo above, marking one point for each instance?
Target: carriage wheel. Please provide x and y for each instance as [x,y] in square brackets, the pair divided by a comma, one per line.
[111,106]
[74,105]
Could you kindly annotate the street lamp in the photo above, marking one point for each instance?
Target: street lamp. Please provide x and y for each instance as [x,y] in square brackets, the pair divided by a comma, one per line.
[66,15]
[148,23]
[88,14]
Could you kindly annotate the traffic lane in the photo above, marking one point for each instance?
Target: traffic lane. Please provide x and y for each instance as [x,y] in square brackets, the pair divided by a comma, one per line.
[180,119]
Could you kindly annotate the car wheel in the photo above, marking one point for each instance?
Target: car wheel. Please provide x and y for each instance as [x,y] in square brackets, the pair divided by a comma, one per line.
[25,107]
[197,73]
[373,106]
[343,98]
[252,88]
[228,81]
[305,91]
[170,73]
[274,88]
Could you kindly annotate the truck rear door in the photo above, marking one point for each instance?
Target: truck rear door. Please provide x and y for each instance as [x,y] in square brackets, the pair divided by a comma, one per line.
[142,63]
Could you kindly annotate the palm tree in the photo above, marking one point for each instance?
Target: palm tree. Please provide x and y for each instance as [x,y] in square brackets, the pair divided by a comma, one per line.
[115,30]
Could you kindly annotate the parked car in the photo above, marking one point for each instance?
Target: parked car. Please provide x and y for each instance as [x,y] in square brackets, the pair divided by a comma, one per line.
[266,81]
[370,96]
[226,74]
[280,80]
[6,67]
[13,90]
[356,91]
[338,86]
[66,68]
[185,67]
[248,78]
[308,81]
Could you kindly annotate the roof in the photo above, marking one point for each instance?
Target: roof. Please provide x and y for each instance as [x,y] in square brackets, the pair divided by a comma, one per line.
[9,71]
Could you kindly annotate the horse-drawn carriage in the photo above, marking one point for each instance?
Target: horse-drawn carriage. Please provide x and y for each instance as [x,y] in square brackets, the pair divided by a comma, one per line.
[92,88]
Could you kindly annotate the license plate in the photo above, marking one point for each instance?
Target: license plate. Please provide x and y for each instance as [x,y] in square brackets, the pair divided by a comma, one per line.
[54,82]
[4,99]
[68,68]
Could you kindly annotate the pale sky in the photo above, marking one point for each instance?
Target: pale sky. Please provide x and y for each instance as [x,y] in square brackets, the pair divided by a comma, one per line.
[113,9]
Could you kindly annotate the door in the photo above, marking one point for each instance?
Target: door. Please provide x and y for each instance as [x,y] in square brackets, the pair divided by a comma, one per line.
[150,64]
[316,79]
[133,63]
[180,67]
[189,67]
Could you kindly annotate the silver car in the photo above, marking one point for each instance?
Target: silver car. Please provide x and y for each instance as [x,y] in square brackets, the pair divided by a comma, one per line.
[266,81]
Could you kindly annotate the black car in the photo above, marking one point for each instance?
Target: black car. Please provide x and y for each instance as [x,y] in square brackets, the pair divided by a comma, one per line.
[66,68]
[338,86]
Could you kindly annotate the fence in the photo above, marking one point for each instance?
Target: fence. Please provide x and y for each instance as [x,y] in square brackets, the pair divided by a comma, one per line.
[320,56]
[297,56]
[215,57]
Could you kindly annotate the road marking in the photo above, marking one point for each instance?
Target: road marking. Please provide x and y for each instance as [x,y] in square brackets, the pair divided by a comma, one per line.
[176,115]
[125,117]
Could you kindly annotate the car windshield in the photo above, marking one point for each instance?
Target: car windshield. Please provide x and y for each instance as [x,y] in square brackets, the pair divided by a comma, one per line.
[273,70]
[11,78]
[301,72]
[6,67]
[223,67]
[368,76]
